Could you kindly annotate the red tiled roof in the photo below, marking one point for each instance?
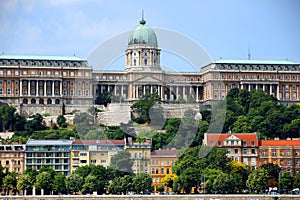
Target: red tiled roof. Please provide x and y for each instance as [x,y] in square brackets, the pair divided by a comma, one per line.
[279,142]
[97,142]
[164,153]
[245,137]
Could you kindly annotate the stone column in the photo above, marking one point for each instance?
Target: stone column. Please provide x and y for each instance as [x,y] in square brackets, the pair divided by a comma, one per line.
[45,88]
[183,92]
[249,87]
[122,90]
[264,87]
[115,90]
[60,88]
[37,89]
[256,86]
[52,88]
[197,93]
[177,91]
[271,89]
[162,93]
[137,91]
[144,90]
[28,91]
[21,88]
[108,88]
[151,89]
[297,92]
[242,86]
[277,91]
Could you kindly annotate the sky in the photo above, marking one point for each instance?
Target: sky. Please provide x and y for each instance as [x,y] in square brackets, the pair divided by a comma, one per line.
[226,29]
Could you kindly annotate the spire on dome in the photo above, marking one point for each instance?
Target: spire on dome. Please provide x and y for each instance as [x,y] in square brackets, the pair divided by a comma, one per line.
[142,20]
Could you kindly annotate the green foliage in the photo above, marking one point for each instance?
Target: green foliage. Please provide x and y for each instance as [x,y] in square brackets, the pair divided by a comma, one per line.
[142,107]
[104,98]
[142,183]
[297,181]
[286,181]
[61,121]
[89,184]
[9,182]
[59,183]
[24,182]
[257,180]
[160,188]
[169,180]
[227,183]
[272,169]
[257,111]
[74,183]
[44,181]
[122,162]
[121,184]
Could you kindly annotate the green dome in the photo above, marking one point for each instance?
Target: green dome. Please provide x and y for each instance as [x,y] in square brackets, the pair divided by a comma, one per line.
[142,34]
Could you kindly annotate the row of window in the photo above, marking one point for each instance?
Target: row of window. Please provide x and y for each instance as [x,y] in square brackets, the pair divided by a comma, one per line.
[48,73]
[232,143]
[41,92]
[258,67]
[42,63]
[47,161]
[274,153]
[162,162]
[161,171]
[273,77]
[15,162]
[41,83]
[245,151]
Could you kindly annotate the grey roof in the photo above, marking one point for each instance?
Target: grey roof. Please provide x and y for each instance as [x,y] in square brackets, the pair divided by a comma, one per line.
[263,62]
[30,57]
[32,142]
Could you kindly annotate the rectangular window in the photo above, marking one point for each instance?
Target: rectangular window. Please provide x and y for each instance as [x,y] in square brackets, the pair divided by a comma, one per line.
[64,73]
[245,161]
[71,73]
[83,154]
[86,92]
[245,151]
[93,161]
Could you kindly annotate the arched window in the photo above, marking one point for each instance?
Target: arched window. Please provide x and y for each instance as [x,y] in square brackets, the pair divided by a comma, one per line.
[33,101]
[145,61]
[41,101]
[25,101]
[134,62]
[56,101]
[49,101]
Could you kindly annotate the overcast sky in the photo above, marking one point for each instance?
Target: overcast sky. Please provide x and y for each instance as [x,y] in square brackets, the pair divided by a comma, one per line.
[225,28]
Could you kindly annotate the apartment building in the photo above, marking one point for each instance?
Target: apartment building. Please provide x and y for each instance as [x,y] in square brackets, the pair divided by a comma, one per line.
[140,154]
[162,162]
[51,153]
[285,153]
[241,147]
[94,152]
[12,156]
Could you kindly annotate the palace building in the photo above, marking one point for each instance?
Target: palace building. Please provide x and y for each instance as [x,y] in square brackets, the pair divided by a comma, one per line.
[47,83]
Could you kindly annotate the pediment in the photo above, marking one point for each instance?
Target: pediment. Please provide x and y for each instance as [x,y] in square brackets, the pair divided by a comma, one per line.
[147,79]
[233,137]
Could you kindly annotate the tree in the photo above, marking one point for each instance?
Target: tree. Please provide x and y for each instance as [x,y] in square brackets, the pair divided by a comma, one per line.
[160,188]
[141,108]
[190,178]
[169,180]
[24,182]
[272,169]
[89,184]
[61,121]
[59,183]
[44,181]
[142,183]
[84,122]
[257,180]
[122,162]
[104,98]
[35,124]
[242,125]
[297,181]
[74,183]
[121,184]
[9,182]
[7,115]
[227,183]
[286,181]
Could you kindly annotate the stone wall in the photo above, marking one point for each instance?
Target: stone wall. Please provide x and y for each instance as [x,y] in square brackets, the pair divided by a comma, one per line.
[115,114]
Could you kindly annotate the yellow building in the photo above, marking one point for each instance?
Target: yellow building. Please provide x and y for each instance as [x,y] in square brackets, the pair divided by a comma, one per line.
[140,154]
[94,152]
[162,162]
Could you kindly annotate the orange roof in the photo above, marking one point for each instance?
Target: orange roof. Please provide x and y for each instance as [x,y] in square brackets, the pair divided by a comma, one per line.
[97,142]
[279,142]
[245,137]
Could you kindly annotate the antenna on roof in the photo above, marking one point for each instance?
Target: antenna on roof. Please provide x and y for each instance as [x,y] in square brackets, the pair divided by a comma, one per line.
[142,20]
[249,55]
